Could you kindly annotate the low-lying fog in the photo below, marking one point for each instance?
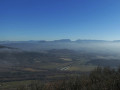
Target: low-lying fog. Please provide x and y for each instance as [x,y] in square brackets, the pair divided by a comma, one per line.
[92,53]
[111,47]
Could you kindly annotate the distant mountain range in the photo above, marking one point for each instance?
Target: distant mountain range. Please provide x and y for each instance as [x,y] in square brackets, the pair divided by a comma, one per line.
[61,40]
[42,45]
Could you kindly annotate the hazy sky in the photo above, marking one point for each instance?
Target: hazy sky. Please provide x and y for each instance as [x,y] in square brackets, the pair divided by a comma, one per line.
[58,19]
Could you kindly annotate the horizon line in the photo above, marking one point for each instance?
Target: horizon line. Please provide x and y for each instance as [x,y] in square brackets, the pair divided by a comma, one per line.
[56,40]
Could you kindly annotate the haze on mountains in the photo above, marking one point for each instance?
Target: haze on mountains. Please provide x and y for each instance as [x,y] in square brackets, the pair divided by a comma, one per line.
[59,45]
[86,45]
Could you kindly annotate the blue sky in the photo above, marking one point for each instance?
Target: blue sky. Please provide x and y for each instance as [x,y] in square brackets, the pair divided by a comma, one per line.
[58,19]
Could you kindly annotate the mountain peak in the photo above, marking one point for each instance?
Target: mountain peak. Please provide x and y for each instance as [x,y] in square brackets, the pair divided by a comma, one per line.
[63,40]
